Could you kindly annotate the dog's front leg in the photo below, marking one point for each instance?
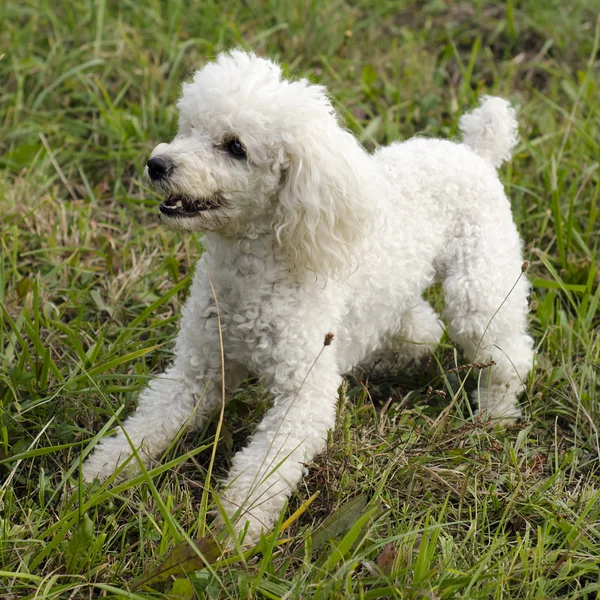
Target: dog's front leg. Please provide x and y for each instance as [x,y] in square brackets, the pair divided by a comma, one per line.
[188,391]
[293,432]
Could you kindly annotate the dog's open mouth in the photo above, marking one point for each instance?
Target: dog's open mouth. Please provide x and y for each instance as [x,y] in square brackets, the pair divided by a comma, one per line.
[180,206]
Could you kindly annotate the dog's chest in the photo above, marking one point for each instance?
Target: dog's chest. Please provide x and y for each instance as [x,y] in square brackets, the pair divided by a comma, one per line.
[253,310]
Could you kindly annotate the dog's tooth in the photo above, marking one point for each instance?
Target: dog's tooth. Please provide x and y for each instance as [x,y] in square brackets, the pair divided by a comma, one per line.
[178,204]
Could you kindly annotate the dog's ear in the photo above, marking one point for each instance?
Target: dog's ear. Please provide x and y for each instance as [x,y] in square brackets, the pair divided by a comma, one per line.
[325,208]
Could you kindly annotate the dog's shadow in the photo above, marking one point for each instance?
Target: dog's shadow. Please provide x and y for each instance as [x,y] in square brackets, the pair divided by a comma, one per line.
[428,383]
[425,387]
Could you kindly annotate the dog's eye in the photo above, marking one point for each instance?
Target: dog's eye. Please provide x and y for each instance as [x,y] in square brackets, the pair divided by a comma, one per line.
[235,147]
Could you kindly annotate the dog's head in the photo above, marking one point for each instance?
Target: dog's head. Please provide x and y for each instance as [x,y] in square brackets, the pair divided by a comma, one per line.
[254,147]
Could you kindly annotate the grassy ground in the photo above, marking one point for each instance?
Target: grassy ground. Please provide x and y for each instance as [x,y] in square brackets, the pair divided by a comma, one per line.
[91,286]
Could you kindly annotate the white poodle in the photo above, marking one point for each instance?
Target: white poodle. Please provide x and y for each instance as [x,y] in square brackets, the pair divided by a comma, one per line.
[306,234]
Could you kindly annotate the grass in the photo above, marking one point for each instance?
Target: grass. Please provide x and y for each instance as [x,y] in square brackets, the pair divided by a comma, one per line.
[91,286]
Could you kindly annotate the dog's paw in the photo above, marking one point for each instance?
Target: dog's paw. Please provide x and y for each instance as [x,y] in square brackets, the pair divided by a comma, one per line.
[104,461]
[500,416]
[497,404]
[95,468]
[110,454]
[248,527]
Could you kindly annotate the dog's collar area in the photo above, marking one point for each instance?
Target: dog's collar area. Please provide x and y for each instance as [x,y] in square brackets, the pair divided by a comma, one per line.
[180,206]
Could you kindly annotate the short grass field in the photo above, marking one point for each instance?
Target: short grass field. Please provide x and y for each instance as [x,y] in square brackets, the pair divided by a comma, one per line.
[412,498]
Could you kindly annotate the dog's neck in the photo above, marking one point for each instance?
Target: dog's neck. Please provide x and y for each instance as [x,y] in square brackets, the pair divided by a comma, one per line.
[253,251]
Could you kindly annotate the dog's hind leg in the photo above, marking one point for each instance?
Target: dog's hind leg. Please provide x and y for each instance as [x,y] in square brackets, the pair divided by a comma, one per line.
[486,305]
[188,392]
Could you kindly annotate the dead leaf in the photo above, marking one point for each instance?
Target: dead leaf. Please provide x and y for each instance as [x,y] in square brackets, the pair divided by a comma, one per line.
[538,463]
[387,558]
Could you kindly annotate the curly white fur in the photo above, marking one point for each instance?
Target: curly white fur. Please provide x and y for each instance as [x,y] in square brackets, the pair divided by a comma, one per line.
[311,234]
[491,130]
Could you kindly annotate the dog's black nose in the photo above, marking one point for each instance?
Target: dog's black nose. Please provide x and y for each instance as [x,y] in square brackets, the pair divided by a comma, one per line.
[158,167]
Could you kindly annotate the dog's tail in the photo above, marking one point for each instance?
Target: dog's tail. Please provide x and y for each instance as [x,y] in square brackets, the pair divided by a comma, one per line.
[491,130]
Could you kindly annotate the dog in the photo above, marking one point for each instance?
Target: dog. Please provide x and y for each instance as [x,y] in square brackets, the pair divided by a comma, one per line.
[316,258]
